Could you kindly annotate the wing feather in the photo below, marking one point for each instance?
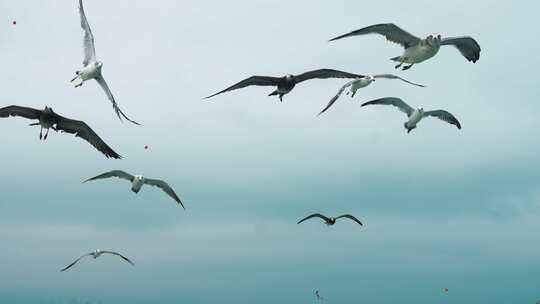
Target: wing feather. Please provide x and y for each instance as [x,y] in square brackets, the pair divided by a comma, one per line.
[393,101]
[25,112]
[165,187]
[350,217]
[325,74]
[444,116]
[82,130]
[114,173]
[116,108]
[314,215]
[391,31]
[88,40]
[391,76]
[253,80]
[467,46]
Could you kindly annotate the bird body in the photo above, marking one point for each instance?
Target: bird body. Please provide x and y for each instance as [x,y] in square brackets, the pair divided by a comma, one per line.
[415,118]
[418,50]
[137,181]
[90,71]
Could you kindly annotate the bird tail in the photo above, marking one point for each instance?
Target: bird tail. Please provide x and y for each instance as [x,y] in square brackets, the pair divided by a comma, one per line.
[398,58]
[274,93]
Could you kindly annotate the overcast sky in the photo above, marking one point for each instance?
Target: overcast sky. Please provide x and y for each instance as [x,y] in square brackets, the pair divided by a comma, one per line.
[442,208]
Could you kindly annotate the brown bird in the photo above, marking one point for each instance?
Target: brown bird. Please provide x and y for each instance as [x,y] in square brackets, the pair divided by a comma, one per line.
[48,119]
[331,220]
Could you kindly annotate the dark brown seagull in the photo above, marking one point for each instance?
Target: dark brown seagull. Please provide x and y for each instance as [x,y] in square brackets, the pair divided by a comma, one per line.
[331,220]
[49,119]
[286,83]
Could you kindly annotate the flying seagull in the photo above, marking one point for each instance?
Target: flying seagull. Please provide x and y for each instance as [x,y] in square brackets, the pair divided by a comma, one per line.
[49,119]
[95,254]
[330,220]
[414,115]
[91,67]
[418,50]
[362,83]
[286,83]
[137,181]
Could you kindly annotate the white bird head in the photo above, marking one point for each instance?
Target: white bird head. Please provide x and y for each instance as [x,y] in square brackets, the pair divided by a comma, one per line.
[421,109]
[99,64]
[289,77]
[370,78]
[433,40]
[48,110]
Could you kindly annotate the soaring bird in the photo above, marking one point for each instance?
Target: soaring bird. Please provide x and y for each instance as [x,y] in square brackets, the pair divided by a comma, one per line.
[418,50]
[286,83]
[91,67]
[137,181]
[95,254]
[414,115]
[48,119]
[330,220]
[362,83]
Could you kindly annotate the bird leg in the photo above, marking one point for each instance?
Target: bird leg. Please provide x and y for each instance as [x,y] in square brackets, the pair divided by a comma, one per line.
[281,97]
[46,134]
[41,133]
[407,67]
[399,65]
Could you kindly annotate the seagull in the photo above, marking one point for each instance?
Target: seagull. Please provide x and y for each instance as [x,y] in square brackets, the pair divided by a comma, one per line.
[95,254]
[418,50]
[91,67]
[330,220]
[362,83]
[414,115]
[137,181]
[286,83]
[49,119]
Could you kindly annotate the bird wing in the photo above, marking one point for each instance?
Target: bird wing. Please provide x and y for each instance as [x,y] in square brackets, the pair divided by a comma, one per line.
[114,173]
[253,80]
[75,262]
[391,76]
[331,102]
[350,217]
[467,46]
[314,215]
[118,254]
[88,40]
[392,101]
[444,116]
[391,31]
[82,130]
[116,108]
[25,112]
[165,187]
[325,74]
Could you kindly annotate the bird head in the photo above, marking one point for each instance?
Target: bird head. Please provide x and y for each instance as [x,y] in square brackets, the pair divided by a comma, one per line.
[48,110]
[421,109]
[289,77]
[371,78]
[433,40]
[99,64]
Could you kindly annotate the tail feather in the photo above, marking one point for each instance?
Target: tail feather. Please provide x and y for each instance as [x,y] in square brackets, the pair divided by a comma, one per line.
[273,93]
[398,58]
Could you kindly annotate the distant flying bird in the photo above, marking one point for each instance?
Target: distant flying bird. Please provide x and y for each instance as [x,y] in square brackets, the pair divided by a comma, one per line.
[48,119]
[362,83]
[137,181]
[95,254]
[286,83]
[414,115]
[418,50]
[330,220]
[318,296]
[92,67]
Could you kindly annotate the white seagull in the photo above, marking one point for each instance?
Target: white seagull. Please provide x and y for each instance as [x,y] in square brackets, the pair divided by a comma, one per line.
[414,115]
[91,67]
[363,82]
[418,50]
[95,254]
[137,181]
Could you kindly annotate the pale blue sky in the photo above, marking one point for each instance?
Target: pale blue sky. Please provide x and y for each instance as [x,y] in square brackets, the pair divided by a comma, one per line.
[442,208]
